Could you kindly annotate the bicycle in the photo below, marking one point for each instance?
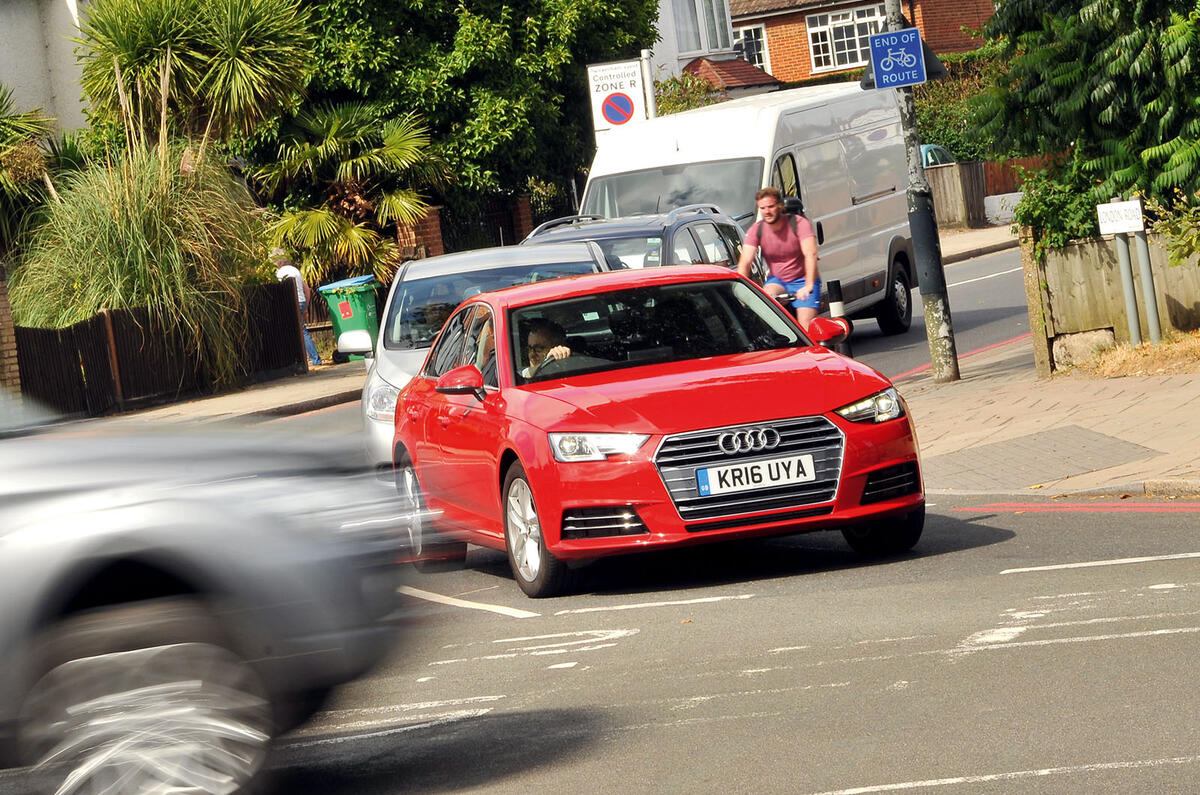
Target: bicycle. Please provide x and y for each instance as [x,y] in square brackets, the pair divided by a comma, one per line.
[894,57]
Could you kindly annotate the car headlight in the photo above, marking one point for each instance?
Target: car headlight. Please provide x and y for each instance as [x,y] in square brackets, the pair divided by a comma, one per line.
[381,402]
[880,407]
[594,446]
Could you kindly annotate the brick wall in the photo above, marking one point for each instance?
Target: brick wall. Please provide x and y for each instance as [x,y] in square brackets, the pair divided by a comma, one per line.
[424,238]
[523,217]
[10,376]
[939,21]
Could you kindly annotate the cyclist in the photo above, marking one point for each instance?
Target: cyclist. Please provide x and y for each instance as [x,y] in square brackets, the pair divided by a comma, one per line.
[789,246]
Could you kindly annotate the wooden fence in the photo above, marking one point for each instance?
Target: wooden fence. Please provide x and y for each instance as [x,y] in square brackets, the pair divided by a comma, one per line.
[117,360]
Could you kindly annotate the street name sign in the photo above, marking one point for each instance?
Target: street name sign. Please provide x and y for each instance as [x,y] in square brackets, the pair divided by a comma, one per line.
[1119,218]
[617,93]
[897,58]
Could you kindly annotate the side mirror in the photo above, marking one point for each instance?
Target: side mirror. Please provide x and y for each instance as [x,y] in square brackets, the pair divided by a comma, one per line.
[357,341]
[823,330]
[463,380]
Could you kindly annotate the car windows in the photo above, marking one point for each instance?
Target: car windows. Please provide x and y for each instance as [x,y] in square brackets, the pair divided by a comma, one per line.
[645,325]
[684,250]
[420,306]
[448,350]
[479,346]
[633,252]
[712,244]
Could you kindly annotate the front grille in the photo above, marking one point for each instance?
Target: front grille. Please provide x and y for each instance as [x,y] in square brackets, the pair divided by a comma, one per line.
[891,482]
[617,520]
[679,457]
[726,524]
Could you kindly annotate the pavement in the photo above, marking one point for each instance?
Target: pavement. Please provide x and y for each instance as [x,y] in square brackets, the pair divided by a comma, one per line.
[997,430]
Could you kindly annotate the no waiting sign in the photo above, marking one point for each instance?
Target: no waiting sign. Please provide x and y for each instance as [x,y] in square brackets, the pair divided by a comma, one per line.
[616,90]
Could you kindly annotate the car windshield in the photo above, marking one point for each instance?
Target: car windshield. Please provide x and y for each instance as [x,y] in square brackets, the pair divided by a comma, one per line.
[729,184]
[419,307]
[632,252]
[646,325]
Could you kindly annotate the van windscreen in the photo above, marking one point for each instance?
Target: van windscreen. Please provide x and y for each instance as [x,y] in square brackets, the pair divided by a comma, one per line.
[729,184]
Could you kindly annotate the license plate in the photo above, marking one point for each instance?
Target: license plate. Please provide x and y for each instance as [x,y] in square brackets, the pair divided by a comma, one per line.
[755,475]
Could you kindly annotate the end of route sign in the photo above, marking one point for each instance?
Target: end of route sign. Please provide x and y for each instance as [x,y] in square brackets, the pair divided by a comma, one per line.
[617,94]
[897,58]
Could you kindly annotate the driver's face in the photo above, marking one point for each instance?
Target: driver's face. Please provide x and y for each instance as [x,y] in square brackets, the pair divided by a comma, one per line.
[539,345]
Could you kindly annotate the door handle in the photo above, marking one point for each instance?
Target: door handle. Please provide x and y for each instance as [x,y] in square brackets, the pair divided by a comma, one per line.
[820,233]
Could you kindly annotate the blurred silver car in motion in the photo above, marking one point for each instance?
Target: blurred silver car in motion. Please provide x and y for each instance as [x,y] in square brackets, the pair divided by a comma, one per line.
[172,603]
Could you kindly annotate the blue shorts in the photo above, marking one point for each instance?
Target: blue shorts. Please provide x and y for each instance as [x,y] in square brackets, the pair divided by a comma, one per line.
[813,301]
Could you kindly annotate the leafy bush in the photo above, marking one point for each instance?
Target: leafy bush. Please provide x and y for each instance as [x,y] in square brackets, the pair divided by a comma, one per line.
[139,231]
[686,92]
[1058,203]
[945,106]
[1179,224]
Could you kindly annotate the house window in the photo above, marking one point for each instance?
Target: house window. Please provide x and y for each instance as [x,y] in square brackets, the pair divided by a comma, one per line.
[840,39]
[754,45]
[701,25]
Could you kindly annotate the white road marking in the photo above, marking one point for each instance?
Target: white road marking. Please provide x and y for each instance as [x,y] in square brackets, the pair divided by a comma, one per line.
[992,637]
[787,648]
[436,720]
[1016,775]
[1163,586]
[556,643]
[419,706]
[1094,563]
[429,596]
[1082,639]
[981,278]
[641,605]
[563,665]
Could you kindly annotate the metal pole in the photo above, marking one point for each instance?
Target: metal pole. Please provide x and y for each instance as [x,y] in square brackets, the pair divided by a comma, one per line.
[1148,296]
[648,86]
[1123,266]
[927,248]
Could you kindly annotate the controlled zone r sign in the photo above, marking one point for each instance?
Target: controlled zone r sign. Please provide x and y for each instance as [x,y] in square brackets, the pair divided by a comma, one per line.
[617,94]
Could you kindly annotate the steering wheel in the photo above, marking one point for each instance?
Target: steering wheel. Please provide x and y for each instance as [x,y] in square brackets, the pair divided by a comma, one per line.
[549,366]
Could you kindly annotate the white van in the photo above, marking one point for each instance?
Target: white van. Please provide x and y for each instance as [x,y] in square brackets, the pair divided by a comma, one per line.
[837,148]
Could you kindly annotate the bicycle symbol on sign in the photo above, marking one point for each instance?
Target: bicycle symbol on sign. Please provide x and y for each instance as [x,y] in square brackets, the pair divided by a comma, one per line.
[896,58]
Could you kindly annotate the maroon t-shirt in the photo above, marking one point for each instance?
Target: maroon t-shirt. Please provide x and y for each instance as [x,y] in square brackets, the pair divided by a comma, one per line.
[781,249]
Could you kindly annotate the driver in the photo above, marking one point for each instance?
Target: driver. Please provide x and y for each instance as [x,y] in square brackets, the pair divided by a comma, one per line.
[546,340]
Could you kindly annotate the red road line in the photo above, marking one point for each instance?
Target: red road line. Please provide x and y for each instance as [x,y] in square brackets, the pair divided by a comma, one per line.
[925,367]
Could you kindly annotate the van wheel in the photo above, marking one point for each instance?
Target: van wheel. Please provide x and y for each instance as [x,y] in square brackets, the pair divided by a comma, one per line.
[895,310]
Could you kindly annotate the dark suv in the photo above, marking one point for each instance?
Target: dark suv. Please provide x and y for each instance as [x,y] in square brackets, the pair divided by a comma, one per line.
[692,234]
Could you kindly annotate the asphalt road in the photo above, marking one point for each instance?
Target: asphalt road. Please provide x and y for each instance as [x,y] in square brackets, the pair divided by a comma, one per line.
[987,305]
[990,659]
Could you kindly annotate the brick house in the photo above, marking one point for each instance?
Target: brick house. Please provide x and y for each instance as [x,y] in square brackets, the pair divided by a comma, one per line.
[795,40]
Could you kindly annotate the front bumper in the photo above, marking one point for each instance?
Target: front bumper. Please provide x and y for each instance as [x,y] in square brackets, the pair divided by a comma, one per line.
[627,496]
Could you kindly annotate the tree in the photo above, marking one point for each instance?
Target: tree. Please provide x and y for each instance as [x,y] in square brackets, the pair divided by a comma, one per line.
[350,171]
[193,68]
[22,165]
[685,92]
[503,86]
[1115,80]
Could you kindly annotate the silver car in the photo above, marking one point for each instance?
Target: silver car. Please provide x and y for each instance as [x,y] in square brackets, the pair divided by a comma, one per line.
[423,295]
[173,603]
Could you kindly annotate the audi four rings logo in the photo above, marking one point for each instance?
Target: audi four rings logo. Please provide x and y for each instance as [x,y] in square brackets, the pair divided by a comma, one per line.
[748,441]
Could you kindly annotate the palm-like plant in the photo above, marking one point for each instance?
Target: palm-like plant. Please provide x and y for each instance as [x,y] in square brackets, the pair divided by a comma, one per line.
[353,171]
[195,68]
[22,165]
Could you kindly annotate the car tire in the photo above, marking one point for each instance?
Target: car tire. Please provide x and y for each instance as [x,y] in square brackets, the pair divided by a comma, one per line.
[427,553]
[145,697]
[537,571]
[895,310]
[886,537]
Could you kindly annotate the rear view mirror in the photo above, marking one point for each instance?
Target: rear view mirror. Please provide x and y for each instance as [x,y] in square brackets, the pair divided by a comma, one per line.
[823,330]
[463,380]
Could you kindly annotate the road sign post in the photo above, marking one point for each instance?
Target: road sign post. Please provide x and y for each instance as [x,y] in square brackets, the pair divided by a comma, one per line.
[901,64]
[1121,218]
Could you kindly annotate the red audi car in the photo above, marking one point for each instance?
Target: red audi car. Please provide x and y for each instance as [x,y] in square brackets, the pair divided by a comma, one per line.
[643,409]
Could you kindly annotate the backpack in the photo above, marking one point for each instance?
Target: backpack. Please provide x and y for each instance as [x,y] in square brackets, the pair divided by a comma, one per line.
[791,220]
